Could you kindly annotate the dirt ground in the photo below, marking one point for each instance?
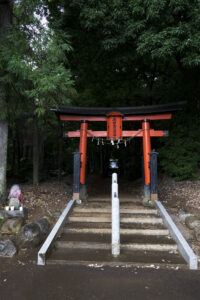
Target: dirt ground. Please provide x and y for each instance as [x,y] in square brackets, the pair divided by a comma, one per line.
[30,282]
[21,278]
[48,199]
[181,195]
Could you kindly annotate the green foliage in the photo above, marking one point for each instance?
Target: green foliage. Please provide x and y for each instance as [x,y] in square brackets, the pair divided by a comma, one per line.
[171,29]
[161,29]
[179,157]
[35,73]
[34,59]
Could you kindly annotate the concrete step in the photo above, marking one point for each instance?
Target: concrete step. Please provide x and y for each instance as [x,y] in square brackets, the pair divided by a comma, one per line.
[107,246]
[123,210]
[107,219]
[102,225]
[86,237]
[108,205]
[107,199]
[104,257]
[103,203]
[124,215]
[123,231]
[124,238]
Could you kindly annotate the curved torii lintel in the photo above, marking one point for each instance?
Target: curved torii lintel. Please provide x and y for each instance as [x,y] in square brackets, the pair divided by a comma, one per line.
[134,111]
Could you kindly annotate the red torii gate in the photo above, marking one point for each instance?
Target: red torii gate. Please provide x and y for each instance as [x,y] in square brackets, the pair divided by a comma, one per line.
[115,117]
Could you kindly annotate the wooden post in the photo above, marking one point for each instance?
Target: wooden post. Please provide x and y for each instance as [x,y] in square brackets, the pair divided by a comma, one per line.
[83,151]
[146,154]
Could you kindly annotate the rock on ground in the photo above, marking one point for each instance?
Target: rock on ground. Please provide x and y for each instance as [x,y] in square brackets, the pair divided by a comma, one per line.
[6,214]
[183,215]
[7,248]
[192,221]
[1,218]
[197,233]
[12,226]
[44,226]
[33,234]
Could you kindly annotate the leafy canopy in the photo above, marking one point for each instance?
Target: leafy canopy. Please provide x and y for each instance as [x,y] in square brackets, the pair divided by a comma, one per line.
[33,59]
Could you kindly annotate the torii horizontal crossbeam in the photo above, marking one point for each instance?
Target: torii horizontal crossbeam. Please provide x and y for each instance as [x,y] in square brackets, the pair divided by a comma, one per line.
[125,133]
[125,118]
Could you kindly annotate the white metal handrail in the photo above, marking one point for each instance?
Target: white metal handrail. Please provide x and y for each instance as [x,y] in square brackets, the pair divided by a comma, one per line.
[52,235]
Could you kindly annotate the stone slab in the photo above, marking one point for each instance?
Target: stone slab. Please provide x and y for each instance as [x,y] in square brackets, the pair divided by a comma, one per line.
[14,213]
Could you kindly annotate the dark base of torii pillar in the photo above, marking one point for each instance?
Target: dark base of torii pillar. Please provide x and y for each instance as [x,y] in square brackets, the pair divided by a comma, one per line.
[76,177]
[79,190]
[83,192]
[154,176]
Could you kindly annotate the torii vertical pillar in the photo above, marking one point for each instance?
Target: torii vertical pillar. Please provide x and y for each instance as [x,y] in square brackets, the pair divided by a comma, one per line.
[146,154]
[83,151]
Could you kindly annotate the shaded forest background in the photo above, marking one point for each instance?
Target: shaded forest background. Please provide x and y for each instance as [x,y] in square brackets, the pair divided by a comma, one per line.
[99,53]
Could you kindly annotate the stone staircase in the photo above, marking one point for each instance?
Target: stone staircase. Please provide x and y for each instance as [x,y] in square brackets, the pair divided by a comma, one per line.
[86,237]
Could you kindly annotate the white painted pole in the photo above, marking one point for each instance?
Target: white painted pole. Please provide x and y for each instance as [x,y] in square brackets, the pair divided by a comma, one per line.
[114,190]
[115,227]
[114,178]
[114,185]
[115,217]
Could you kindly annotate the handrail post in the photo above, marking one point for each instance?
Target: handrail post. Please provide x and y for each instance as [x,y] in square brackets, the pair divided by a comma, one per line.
[115,217]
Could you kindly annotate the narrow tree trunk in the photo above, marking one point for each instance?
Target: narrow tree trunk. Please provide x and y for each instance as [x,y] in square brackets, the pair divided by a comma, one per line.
[101,159]
[3,158]
[18,150]
[5,20]
[35,151]
[91,162]
[13,164]
[41,158]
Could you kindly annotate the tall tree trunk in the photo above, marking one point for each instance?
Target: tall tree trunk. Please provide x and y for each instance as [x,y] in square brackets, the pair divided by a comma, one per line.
[3,158]
[5,20]
[35,151]
[41,157]
[101,159]
[13,164]
[18,150]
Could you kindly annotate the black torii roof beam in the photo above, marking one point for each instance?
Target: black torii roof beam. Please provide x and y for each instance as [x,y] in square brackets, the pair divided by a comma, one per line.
[137,110]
